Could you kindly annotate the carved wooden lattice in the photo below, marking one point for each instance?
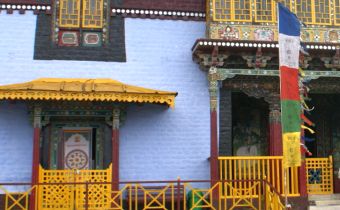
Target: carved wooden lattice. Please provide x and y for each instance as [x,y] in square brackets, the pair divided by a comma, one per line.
[69,13]
[99,194]
[337,12]
[233,10]
[92,13]
[319,172]
[316,12]
[264,11]
[71,17]
[56,192]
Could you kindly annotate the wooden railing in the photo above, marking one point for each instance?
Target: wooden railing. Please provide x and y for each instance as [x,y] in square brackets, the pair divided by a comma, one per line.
[258,167]
[167,195]
[272,198]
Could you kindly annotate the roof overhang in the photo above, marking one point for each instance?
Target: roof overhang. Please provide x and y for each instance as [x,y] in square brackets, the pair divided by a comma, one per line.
[62,89]
[207,46]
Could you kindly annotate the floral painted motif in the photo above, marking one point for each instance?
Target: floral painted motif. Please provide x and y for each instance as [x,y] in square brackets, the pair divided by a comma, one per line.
[264,34]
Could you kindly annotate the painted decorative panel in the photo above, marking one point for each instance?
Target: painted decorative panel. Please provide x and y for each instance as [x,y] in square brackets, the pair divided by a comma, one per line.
[77,149]
[68,38]
[227,31]
[72,145]
[92,39]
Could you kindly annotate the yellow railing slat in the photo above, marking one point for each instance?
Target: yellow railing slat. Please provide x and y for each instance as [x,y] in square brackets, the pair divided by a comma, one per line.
[257,167]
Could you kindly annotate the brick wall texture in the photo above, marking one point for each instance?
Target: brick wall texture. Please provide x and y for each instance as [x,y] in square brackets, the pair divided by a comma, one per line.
[155,142]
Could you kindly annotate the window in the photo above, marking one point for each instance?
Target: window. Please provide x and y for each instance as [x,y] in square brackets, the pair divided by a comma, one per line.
[80,30]
[233,10]
[314,12]
[81,23]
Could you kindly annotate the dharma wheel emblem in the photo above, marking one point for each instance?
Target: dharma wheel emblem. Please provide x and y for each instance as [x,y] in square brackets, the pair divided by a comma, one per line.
[76,159]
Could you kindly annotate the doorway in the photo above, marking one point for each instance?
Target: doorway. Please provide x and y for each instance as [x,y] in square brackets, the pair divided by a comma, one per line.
[249,125]
[325,142]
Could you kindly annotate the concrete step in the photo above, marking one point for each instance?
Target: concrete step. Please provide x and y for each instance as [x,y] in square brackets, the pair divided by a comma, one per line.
[324,197]
[327,202]
[324,202]
[335,207]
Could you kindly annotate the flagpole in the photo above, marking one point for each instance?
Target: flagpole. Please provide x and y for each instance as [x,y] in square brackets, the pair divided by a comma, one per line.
[289,43]
[286,187]
[285,169]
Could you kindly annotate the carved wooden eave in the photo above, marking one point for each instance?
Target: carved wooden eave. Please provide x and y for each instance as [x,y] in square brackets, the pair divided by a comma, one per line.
[260,54]
[251,81]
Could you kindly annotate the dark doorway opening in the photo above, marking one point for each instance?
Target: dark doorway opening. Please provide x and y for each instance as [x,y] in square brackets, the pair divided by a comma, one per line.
[249,125]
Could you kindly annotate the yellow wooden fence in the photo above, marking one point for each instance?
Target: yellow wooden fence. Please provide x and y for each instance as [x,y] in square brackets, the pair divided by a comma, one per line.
[244,182]
[140,196]
[319,172]
[256,168]
[55,193]
[17,200]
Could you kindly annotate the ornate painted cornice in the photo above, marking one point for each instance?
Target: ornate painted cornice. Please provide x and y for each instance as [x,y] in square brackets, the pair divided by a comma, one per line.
[37,7]
[224,73]
[22,8]
[261,54]
[158,14]
[256,44]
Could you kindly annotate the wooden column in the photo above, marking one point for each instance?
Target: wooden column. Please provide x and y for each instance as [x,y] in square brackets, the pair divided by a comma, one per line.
[302,173]
[213,88]
[275,129]
[115,149]
[36,153]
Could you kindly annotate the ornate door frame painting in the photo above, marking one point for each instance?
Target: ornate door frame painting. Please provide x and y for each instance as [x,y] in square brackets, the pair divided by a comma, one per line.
[77,148]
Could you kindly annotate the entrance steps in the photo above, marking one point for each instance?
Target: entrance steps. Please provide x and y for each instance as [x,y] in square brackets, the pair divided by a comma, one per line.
[324,202]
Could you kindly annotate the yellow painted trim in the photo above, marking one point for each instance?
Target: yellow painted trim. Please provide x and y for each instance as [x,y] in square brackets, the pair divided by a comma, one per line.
[85,90]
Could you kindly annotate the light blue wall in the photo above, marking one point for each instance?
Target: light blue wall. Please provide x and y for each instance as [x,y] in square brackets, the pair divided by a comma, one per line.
[156,142]
[15,143]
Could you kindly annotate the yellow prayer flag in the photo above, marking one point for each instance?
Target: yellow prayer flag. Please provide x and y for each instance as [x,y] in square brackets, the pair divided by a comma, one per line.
[291,149]
[309,129]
